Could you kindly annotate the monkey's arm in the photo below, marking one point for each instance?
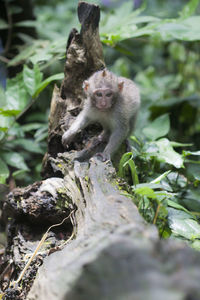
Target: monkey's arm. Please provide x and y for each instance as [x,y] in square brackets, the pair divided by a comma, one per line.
[81,122]
[115,140]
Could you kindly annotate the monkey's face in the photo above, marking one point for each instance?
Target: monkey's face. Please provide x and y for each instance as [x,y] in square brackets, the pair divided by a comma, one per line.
[103,99]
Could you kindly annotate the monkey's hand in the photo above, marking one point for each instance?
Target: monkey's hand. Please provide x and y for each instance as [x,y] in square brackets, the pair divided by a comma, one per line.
[103,156]
[67,138]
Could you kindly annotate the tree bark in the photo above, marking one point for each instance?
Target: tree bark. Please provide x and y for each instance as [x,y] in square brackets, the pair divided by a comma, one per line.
[107,249]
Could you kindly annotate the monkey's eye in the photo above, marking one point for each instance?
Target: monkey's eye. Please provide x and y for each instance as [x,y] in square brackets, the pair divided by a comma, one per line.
[99,94]
[109,94]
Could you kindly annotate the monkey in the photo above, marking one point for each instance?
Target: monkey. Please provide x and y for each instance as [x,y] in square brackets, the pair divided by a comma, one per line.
[111,101]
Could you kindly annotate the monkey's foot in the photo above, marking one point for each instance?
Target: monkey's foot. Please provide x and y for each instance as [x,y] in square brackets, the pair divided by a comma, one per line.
[102,156]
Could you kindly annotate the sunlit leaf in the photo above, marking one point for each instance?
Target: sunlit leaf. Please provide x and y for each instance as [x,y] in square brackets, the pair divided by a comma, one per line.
[164,152]
[189,8]
[159,178]
[186,153]
[9,112]
[184,226]
[145,191]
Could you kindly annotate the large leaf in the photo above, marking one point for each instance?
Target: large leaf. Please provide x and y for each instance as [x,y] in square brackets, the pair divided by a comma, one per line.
[29,145]
[5,122]
[177,206]
[189,8]
[193,170]
[164,152]
[47,81]
[32,78]
[14,159]
[4,171]
[181,224]
[191,199]
[158,128]
[16,94]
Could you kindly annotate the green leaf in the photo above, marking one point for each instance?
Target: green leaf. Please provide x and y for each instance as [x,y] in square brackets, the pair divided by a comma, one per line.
[14,159]
[152,186]
[146,191]
[2,135]
[27,23]
[159,178]
[31,126]
[3,24]
[175,144]
[193,170]
[196,245]
[29,145]
[16,95]
[165,153]
[158,128]
[123,160]
[2,97]
[177,206]
[32,79]
[184,226]
[47,81]
[132,167]
[28,52]
[189,8]
[187,153]
[18,172]
[9,112]
[191,199]
[5,122]
[4,171]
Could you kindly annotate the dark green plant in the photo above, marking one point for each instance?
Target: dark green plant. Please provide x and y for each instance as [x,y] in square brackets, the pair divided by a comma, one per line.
[165,193]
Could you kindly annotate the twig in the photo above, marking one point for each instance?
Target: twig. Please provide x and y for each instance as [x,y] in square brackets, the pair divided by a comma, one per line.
[4,59]
[156,214]
[14,283]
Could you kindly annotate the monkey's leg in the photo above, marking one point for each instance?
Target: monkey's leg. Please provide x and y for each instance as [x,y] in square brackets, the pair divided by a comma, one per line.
[95,145]
[132,124]
[116,138]
[81,122]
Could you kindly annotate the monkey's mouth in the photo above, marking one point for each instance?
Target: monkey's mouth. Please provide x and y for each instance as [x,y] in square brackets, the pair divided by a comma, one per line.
[103,108]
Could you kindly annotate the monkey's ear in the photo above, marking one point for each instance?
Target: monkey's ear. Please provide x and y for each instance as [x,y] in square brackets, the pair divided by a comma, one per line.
[104,73]
[85,85]
[120,86]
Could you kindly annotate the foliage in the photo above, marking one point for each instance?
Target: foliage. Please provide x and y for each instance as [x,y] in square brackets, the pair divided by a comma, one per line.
[161,50]
[16,147]
[164,191]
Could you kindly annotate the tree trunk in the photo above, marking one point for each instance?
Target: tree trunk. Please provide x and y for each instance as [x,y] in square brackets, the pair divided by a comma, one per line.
[110,252]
